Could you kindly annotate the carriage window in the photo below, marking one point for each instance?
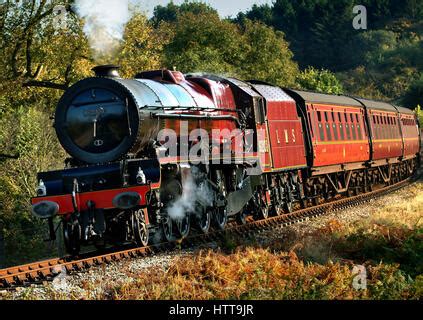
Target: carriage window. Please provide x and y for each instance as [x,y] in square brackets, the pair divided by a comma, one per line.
[385,128]
[354,134]
[392,127]
[347,128]
[328,134]
[333,116]
[339,117]
[394,134]
[321,131]
[380,118]
[335,132]
[375,128]
[327,125]
[360,137]
[341,131]
[382,128]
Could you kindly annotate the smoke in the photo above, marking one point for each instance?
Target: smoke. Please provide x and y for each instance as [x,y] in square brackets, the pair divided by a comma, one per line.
[105,22]
[196,193]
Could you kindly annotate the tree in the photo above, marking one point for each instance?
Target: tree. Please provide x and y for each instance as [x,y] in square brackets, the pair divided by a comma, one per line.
[202,42]
[170,12]
[419,113]
[142,47]
[38,59]
[414,95]
[370,48]
[261,13]
[35,52]
[267,55]
[320,81]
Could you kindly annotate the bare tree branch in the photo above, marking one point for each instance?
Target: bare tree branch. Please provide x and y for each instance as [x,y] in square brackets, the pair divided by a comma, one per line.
[45,84]
[28,34]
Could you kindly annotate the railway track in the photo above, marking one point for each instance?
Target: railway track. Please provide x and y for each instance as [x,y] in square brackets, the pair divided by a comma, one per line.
[38,272]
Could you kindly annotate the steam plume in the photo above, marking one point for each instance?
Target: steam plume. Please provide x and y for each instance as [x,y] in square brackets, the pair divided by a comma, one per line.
[194,194]
[105,22]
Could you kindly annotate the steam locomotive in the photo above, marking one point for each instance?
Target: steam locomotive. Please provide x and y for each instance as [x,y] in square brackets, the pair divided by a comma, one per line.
[164,153]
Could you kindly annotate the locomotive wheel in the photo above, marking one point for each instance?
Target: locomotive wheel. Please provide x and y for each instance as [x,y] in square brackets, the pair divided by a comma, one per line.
[303,203]
[241,217]
[289,202]
[326,194]
[261,208]
[288,206]
[220,218]
[276,210]
[204,221]
[263,213]
[167,226]
[72,236]
[140,229]
[183,226]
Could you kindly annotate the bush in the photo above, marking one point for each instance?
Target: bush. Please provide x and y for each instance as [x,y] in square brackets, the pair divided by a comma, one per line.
[28,133]
[322,81]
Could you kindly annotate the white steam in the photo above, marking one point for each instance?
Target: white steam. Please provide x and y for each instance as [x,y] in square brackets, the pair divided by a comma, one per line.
[105,22]
[194,195]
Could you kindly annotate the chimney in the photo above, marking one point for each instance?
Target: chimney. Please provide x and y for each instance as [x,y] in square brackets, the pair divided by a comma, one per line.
[106,71]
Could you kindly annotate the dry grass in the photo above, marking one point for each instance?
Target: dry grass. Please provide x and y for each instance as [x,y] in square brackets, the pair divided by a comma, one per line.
[317,266]
[260,274]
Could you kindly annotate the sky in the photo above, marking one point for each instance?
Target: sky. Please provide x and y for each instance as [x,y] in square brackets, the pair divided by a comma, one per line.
[224,7]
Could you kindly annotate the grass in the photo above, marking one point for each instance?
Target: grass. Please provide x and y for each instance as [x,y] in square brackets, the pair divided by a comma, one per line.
[317,266]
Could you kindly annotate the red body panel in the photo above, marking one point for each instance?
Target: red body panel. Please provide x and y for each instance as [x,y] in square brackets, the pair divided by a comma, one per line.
[410,132]
[286,135]
[339,134]
[102,199]
[205,92]
[285,140]
[386,134]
